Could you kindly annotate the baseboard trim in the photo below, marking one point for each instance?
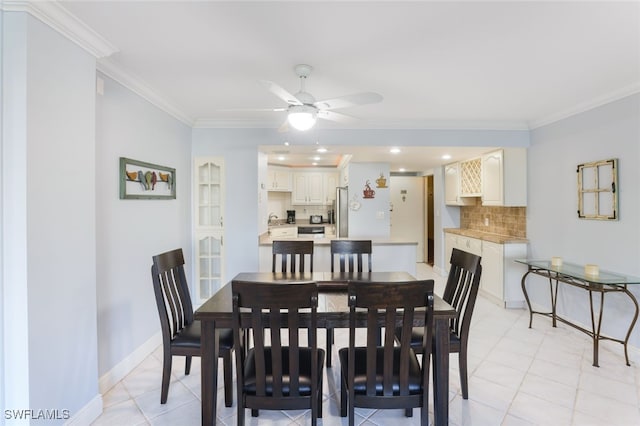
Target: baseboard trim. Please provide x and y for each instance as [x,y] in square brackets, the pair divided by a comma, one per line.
[87,414]
[124,367]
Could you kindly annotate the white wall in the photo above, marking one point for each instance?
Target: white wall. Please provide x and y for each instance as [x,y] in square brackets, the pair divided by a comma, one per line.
[372,219]
[130,232]
[553,228]
[408,215]
[49,218]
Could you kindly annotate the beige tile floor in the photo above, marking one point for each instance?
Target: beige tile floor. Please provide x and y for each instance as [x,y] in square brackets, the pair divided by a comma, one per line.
[518,376]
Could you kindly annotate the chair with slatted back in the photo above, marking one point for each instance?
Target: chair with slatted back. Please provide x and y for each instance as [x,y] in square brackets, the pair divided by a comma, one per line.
[278,372]
[351,256]
[461,292]
[387,376]
[292,254]
[180,332]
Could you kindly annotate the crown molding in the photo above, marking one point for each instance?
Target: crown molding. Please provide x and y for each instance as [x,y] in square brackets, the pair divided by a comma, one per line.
[139,87]
[586,106]
[63,21]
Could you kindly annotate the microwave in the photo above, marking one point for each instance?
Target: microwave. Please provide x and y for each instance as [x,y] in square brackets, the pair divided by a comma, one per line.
[315,218]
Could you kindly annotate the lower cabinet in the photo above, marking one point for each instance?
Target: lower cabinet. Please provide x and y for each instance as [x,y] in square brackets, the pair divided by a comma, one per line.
[501,275]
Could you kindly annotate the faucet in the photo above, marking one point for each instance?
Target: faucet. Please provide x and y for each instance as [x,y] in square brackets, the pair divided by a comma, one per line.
[271,217]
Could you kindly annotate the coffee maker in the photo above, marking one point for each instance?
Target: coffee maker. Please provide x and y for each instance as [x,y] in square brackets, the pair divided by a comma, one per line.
[291,216]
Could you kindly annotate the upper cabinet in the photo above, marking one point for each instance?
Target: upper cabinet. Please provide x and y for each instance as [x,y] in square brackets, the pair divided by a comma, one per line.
[452,188]
[308,188]
[499,177]
[471,178]
[279,179]
[504,178]
[330,185]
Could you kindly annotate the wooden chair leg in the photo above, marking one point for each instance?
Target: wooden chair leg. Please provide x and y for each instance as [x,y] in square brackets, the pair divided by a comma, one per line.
[254,412]
[408,412]
[462,366]
[187,365]
[320,400]
[228,379]
[343,395]
[166,376]
[329,344]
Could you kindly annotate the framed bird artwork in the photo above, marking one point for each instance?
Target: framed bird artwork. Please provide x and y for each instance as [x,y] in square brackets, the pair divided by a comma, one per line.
[145,181]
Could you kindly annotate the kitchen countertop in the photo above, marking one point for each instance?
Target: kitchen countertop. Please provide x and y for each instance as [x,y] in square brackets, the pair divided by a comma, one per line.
[266,240]
[487,236]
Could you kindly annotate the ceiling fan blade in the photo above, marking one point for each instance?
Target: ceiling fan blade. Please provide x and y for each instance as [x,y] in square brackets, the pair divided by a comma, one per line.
[251,109]
[284,127]
[336,116]
[280,92]
[349,101]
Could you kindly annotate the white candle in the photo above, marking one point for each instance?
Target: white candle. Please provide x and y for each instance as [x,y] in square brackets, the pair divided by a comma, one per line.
[556,261]
[592,270]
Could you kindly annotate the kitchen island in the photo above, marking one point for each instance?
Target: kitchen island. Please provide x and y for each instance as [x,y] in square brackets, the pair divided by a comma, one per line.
[388,254]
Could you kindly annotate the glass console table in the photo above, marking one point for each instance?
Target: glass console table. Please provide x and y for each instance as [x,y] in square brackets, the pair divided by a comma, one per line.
[569,273]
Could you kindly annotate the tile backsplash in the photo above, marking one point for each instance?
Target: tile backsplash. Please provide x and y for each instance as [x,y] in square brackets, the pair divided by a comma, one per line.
[510,221]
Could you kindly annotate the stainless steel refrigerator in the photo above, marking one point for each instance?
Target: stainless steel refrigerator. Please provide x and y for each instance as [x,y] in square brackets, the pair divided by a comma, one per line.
[342,212]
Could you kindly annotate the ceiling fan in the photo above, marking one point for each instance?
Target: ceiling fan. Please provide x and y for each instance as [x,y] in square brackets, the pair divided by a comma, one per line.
[303,110]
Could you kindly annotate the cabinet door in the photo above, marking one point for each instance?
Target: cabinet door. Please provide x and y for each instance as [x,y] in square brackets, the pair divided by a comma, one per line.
[492,179]
[209,262]
[209,227]
[315,188]
[209,200]
[299,193]
[451,184]
[492,279]
[330,184]
[308,188]
[449,244]
[279,180]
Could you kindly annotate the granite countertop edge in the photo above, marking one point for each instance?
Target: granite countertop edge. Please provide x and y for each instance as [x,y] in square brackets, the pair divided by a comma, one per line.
[266,239]
[487,236]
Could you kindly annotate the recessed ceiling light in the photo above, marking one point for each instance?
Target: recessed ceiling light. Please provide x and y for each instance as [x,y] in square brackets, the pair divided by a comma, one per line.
[402,169]
[321,150]
[394,150]
[286,143]
[446,157]
[314,164]
[316,158]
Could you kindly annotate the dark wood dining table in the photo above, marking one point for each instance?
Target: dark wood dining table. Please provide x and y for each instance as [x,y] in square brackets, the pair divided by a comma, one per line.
[333,312]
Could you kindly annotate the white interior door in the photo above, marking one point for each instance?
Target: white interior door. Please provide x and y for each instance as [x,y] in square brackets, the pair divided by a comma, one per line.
[407,215]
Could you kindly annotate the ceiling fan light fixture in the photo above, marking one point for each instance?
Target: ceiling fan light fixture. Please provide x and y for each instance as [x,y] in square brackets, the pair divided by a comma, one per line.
[302,117]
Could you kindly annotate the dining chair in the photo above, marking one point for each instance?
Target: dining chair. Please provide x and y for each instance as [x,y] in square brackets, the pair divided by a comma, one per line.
[461,292]
[277,373]
[351,255]
[387,376]
[292,253]
[180,332]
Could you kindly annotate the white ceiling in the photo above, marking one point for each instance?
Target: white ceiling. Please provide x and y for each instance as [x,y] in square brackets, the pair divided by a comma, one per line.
[498,65]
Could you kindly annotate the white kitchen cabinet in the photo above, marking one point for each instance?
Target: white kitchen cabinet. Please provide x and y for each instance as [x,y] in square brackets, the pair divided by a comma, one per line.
[492,278]
[284,232]
[209,226]
[452,195]
[330,184]
[461,242]
[279,179]
[471,178]
[504,178]
[501,275]
[308,188]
